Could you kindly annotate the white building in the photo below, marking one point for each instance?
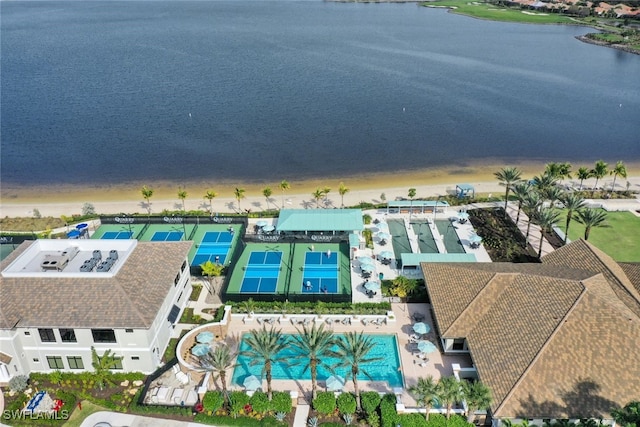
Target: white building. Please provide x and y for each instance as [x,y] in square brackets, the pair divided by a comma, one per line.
[58,298]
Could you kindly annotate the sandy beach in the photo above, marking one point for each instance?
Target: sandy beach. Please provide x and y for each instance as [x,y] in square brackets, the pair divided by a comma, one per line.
[20,202]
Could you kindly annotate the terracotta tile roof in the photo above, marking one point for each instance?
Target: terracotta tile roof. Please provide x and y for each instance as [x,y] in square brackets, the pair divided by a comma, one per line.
[130,299]
[530,334]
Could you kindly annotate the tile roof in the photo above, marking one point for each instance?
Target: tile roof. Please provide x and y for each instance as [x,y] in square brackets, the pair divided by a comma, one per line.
[130,299]
[531,335]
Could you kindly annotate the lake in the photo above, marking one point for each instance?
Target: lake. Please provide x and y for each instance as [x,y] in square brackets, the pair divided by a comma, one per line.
[116,92]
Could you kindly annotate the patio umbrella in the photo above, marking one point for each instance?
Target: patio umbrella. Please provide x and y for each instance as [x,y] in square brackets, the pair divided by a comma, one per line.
[367,267]
[372,286]
[268,228]
[475,238]
[252,382]
[426,347]
[335,383]
[383,236]
[200,349]
[261,223]
[204,337]
[386,254]
[421,328]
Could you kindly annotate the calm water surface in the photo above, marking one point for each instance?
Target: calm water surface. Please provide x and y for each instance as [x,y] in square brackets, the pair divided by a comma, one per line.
[98,92]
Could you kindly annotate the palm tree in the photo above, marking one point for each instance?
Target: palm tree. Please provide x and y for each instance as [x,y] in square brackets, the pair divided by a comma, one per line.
[599,171]
[572,203]
[317,195]
[590,218]
[531,205]
[425,392]
[507,177]
[449,392]
[182,194]
[314,345]
[326,191]
[217,361]
[239,194]
[266,192]
[210,195]
[284,186]
[102,366]
[211,270]
[342,190]
[353,351]
[265,348]
[146,194]
[619,170]
[546,218]
[544,182]
[411,194]
[583,173]
[477,396]
[521,190]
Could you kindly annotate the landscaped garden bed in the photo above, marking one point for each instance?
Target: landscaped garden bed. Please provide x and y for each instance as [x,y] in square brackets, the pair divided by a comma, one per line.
[501,238]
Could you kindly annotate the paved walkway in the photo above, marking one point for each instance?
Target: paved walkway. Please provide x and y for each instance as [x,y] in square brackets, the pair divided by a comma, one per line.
[117,419]
[302,413]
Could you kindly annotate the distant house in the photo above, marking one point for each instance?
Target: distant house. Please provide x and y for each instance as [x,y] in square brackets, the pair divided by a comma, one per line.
[556,340]
[58,298]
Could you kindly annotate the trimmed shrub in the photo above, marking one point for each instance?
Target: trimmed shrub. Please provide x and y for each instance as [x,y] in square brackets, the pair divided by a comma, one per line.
[18,383]
[325,403]
[239,400]
[346,403]
[370,400]
[260,402]
[218,420]
[281,402]
[212,401]
[388,414]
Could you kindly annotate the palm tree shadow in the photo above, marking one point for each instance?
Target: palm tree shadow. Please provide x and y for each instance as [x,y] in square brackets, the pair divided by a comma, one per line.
[583,401]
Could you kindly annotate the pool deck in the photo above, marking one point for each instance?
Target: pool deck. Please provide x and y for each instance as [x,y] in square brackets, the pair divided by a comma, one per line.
[412,366]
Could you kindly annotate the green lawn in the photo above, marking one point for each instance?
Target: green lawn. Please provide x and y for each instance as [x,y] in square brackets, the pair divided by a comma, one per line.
[500,13]
[620,240]
[78,416]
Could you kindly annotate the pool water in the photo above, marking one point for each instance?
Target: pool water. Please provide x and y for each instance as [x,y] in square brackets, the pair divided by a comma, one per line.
[387,369]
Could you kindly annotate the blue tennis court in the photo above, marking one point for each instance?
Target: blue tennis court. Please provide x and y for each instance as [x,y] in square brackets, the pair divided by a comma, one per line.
[320,273]
[213,247]
[117,235]
[262,272]
[167,236]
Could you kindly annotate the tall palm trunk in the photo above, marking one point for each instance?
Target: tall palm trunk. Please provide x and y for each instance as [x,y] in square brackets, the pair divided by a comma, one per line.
[314,378]
[356,388]
[267,368]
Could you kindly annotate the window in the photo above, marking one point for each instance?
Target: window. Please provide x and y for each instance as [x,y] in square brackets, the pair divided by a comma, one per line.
[46,335]
[55,362]
[135,357]
[103,335]
[117,364]
[129,331]
[75,362]
[68,335]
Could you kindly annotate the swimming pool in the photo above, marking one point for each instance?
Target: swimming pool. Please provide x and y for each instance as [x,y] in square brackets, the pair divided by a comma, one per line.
[387,369]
